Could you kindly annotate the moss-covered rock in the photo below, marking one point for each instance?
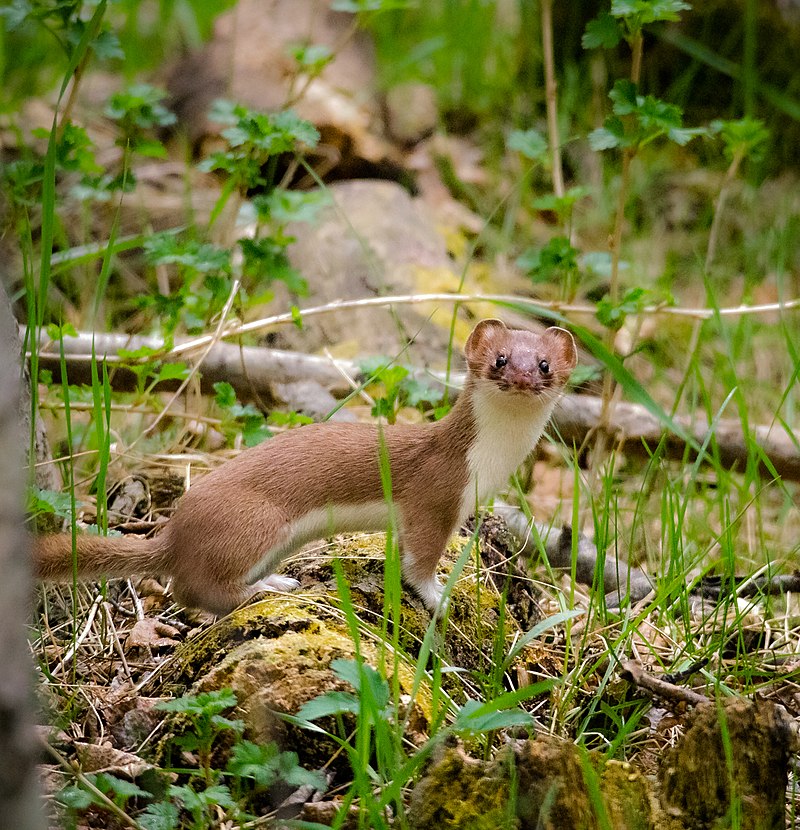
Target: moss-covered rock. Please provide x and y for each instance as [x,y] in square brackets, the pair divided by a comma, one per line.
[542,784]
[733,757]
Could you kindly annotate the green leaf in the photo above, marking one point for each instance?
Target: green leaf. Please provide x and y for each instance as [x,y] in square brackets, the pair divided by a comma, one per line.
[603,31]
[624,96]
[608,137]
[137,354]
[682,136]
[330,703]
[76,798]
[284,206]
[217,795]
[642,12]
[613,316]
[225,394]
[417,392]
[106,46]
[745,137]
[265,260]
[140,106]
[265,765]
[290,771]
[171,371]
[255,761]
[313,57]
[168,248]
[355,673]
[119,789]
[598,263]
[50,502]
[473,718]
[223,724]
[559,204]
[163,815]
[206,703]
[531,143]
[288,419]
[55,332]
[254,434]
[556,257]
[17,13]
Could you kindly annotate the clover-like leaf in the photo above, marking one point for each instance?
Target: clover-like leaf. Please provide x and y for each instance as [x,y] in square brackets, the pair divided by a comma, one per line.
[602,32]
[531,143]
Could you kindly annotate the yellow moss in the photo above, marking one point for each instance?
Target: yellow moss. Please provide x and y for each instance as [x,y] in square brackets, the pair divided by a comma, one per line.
[627,797]
[316,607]
[460,792]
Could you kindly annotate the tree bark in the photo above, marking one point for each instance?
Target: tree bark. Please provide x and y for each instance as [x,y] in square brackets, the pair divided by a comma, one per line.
[20,807]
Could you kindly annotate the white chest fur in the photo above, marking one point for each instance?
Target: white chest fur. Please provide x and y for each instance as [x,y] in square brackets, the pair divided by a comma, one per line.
[508,428]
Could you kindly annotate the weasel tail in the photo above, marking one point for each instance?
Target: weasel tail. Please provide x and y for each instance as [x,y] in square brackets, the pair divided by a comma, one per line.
[97,556]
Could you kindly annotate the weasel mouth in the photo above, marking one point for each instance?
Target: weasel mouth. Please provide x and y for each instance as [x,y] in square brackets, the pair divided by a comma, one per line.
[522,387]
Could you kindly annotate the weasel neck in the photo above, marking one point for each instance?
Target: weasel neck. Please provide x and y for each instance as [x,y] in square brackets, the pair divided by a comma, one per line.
[507,428]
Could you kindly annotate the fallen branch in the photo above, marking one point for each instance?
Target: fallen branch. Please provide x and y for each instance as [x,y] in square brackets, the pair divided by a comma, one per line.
[251,369]
[534,305]
[620,580]
[247,368]
[634,673]
[637,431]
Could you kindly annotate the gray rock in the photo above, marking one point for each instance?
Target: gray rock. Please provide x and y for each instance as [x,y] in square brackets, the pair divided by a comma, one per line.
[374,240]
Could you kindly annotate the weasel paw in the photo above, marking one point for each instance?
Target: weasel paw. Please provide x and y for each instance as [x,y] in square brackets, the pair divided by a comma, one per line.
[275,582]
[430,593]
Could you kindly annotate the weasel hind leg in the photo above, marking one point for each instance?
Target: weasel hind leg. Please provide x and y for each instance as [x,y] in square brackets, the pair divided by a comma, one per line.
[222,599]
[217,598]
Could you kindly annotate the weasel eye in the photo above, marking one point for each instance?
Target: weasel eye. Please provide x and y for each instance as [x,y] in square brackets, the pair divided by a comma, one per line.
[501,361]
[544,367]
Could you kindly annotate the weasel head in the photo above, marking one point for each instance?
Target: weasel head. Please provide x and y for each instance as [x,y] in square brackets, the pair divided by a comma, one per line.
[518,362]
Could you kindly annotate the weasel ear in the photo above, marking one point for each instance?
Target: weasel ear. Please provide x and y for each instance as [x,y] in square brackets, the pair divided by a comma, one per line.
[479,335]
[567,344]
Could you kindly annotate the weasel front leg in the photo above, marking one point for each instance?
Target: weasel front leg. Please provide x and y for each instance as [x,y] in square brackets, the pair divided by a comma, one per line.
[423,543]
[277,582]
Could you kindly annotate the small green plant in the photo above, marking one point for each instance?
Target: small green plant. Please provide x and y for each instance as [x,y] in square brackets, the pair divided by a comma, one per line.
[557,261]
[204,281]
[48,503]
[208,795]
[79,797]
[265,257]
[263,765]
[401,388]
[744,138]
[240,419]
[139,110]
[204,713]
[256,141]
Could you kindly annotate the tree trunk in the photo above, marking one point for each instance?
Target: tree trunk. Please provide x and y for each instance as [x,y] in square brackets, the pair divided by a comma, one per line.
[20,807]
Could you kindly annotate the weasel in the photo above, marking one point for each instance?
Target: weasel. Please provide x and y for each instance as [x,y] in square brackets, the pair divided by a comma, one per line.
[236,525]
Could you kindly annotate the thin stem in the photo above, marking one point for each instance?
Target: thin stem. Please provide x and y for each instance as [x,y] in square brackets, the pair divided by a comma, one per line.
[550,94]
[713,234]
[619,222]
[636,43]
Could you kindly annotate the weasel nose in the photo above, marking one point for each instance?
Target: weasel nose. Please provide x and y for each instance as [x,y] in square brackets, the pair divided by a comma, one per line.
[526,378]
